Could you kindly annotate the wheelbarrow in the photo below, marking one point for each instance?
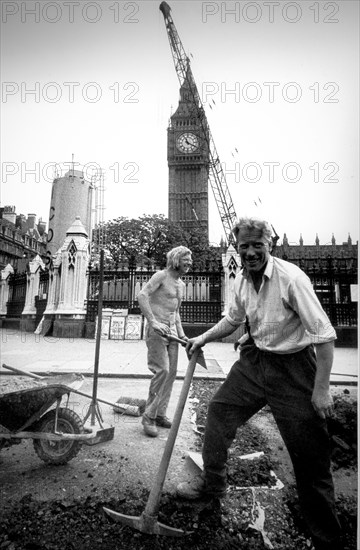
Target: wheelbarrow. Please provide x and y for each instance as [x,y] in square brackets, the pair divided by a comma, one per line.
[27,412]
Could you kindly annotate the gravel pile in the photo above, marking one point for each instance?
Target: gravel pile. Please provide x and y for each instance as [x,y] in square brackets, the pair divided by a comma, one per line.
[19,383]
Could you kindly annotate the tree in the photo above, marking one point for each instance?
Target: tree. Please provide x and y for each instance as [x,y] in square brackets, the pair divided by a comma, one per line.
[146,240]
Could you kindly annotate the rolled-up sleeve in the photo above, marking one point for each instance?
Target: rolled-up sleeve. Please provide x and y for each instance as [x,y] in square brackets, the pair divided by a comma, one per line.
[313,317]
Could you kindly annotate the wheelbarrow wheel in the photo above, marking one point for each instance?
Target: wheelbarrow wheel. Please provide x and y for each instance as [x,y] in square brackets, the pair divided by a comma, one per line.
[59,452]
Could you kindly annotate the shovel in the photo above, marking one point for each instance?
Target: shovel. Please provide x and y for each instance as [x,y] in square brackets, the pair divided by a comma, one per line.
[104,433]
[200,354]
[147,522]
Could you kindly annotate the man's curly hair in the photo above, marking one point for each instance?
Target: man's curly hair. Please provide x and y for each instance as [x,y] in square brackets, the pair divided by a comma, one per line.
[253,223]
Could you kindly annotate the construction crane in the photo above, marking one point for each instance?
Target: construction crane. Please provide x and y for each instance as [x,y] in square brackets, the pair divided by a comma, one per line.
[216,174]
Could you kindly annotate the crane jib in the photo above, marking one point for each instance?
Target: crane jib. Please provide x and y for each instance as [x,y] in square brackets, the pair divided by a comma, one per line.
[218,182]
[182,66]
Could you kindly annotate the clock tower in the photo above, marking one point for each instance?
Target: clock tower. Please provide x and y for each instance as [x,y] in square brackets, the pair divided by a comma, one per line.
[188,161]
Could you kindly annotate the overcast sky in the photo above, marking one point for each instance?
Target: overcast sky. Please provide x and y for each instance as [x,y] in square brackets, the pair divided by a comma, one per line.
[279,81]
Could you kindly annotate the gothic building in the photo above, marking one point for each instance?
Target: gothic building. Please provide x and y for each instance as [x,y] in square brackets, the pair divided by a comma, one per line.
[288,251]
[188,161]
[21,238]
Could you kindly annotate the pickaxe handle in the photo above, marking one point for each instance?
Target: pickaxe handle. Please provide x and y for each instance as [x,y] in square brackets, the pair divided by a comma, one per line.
[152,505]
[20,371]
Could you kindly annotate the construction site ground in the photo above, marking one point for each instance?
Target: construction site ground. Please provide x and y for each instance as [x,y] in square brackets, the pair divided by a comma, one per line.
[120,472]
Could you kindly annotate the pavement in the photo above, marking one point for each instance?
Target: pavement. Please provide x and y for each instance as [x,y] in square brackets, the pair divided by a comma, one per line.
[127,358]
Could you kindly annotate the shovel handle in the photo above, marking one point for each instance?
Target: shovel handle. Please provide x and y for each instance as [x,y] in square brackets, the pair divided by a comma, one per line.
[176,339]
[20,371]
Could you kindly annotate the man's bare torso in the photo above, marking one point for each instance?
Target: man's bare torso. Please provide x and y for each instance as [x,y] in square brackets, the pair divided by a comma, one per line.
[166,298]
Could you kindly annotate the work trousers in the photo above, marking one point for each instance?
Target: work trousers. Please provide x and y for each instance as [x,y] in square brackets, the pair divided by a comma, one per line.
[162,361]
[285,383]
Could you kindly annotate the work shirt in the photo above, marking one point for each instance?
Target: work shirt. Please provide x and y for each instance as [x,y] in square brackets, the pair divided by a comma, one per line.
[285,315]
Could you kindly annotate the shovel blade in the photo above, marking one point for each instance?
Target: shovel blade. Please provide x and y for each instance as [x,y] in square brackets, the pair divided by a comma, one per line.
[102,435]
[200,359]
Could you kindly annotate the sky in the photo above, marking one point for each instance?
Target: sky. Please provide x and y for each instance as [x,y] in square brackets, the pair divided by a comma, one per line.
[95,82]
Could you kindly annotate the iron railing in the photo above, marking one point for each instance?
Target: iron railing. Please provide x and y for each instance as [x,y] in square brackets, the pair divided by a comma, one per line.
[202,300]
[332,279]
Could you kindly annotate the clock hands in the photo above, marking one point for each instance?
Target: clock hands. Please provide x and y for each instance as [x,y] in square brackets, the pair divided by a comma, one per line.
[191,141]
[188,142]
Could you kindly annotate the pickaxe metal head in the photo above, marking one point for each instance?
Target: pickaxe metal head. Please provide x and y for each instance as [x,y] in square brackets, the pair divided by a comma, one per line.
[146,524]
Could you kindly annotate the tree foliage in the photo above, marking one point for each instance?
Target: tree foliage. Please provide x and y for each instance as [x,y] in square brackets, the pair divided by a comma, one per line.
[146,241]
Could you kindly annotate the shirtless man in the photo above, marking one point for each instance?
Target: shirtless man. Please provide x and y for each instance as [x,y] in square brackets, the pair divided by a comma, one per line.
[160,301]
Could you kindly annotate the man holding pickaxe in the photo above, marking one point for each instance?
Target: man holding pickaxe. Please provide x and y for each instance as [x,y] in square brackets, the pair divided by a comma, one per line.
[285,362]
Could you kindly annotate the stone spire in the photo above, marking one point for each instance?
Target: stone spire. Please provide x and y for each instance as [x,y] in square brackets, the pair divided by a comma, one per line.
[77,228]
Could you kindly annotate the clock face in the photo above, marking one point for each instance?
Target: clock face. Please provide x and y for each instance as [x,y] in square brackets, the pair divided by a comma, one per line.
[187,143]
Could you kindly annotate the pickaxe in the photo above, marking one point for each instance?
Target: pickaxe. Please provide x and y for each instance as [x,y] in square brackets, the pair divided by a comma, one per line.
[147,522]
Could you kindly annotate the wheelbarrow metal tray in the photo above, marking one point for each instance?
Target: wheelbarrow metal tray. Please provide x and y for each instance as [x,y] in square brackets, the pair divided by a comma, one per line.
[26,399]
